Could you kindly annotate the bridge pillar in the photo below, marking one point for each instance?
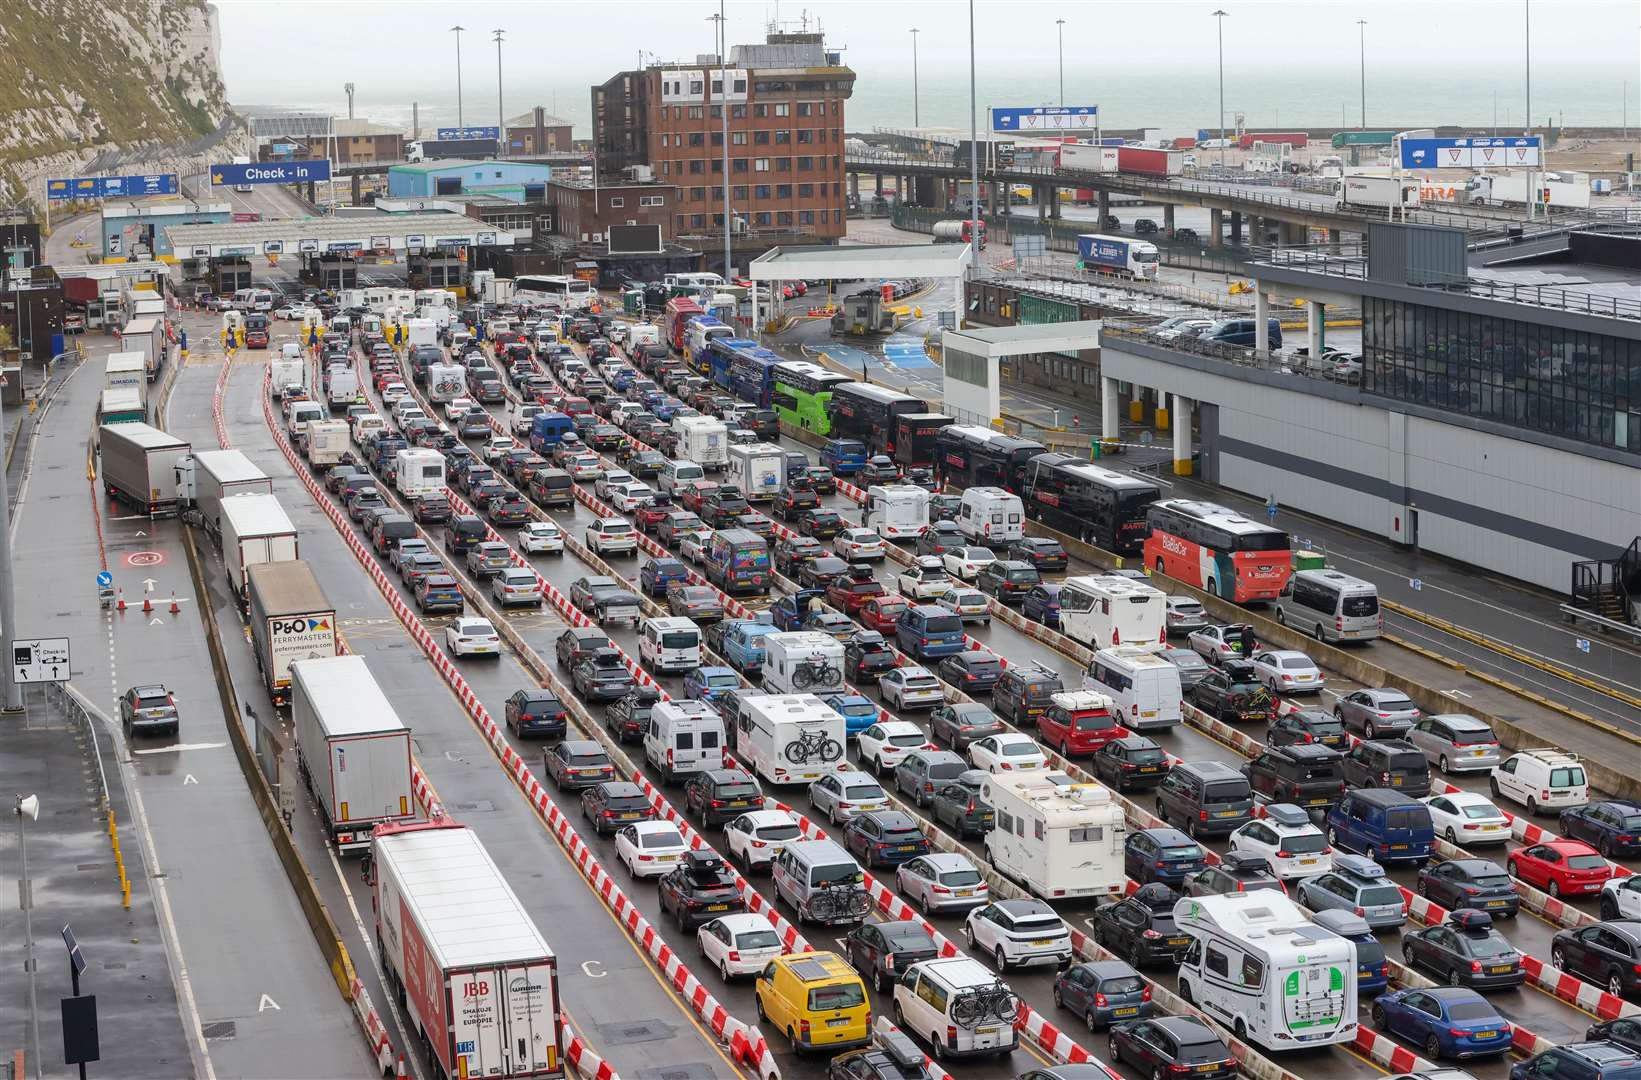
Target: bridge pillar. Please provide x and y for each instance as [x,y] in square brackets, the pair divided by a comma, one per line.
[1256,231]
[1168,220]
[1333,241]
[1039,195]
[1182,435]
[356,193]
[878,181]
[1110,431]
[1316,316]
[1262,315]
[1216,228]
[1104,203]
[1054,203]
[1294,233]
[1236,227]
[311,192]
[854,186]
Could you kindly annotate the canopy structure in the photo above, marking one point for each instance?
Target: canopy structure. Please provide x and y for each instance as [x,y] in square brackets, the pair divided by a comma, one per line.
[858,263]
[972,360]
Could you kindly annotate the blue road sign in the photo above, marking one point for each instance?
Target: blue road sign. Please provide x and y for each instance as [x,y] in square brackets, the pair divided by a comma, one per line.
[111,187]
[105,580]
[270,172]
[1415,584]
[1582,643]
[1525,152]
[1046,118]
[470,133]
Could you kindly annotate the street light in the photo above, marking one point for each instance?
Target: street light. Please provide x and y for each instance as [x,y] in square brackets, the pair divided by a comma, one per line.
[457,30]
[916,118]
[974,144]
[723,110]
[1061,23]
[29,806]
[1361,30]
[1527,64]
[501,113]
[1220,15]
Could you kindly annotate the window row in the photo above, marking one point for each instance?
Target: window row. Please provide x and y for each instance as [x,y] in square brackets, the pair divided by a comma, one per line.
[761,137]
[761,111]
[764,218]
[701,166]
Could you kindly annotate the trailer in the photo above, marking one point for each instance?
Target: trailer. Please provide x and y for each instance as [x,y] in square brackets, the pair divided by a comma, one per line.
[1563,190]
[205,478]
[352,750]
[1086,158]
[1296,139]
[122,405]
[254,529]
[327,443]
[1145,161]
[291,620]
[139,465]
[703,440]
[477,976]
[127,371]
[433,149]
[146,336]
[757,469]
[1120,255]
[1356,190]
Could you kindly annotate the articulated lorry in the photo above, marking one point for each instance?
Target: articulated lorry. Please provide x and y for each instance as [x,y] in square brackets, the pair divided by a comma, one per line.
[255,529]
[139,466]
[352,749]
[291,620]
[206,478]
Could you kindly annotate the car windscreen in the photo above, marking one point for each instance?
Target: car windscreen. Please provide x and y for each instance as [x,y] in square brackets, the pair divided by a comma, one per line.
[680,639]
[1490,944]
[1585,862]
[839,873]
[1226,793]
[1304,843]
[1406,762]
[1360,606]
[841,996]
[1379,896]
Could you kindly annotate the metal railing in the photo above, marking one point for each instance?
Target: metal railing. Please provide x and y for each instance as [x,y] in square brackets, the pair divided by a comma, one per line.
[68,701]
[1275,361]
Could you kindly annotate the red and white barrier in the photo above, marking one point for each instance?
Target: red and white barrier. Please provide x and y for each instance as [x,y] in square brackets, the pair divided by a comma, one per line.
[583,1059]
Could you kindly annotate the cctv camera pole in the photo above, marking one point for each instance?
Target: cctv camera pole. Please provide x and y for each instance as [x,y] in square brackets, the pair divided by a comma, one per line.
[11,699]
[28,923]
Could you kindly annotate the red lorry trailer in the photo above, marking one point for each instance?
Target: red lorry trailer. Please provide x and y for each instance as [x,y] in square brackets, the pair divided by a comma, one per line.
[1143,161]
[479,982]
[1296,139]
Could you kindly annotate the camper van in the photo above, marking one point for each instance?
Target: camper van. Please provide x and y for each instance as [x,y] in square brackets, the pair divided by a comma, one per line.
[1144,686]
[897,511]
[1260,967]
[991,516]
[803,662]
[789,738]
[1057,838]
[1105,611]
[684,737]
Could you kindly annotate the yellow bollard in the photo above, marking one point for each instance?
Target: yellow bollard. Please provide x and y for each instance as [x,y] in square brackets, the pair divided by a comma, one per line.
[1183,468]
[1162,418]
[1136,410]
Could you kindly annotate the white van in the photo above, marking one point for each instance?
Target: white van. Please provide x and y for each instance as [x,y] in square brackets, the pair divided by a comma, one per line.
[367,425]
[670,643]
[684,737]
[286,370]
[521,417]
[938,1000]
[897,511]
[1331,606]
[1144,686]
[789,738]
[1059,840]
[1104,611]
[677,475]
[991,516]
[301,413]
[803,662]
[419,471]
[1260,967]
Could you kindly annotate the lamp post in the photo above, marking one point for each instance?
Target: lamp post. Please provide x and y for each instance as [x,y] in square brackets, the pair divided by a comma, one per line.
[457,30]
[723,109]
[1361,30]
[917,120]
[1220,15]
[29,806]
[1527,64]
[974,144]
[1061,23]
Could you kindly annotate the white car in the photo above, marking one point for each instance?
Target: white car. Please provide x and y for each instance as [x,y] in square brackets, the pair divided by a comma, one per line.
[911,687]
[293,312]
[516,585]
[497,446]
[585,467]
[885,743]
[1007,751]
[629,496]
[694,545]
[408,412]
[970,605]
[1466,817]
[924,580]
[757,836]
[859,545]
[649,848]
[940,881]
[393,393]
[1288,671]
[612,535]
[742,944]
[967,562]
[1018,932]
[612,477]
[1216,644]
[456,408]
[541,538]
[471,635]
[1287,840]
[1621,898]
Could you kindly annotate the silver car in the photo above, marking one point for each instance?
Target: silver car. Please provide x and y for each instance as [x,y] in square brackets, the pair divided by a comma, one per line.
[1356,884]
[1456,742]
[1382,712]
[841,796]
[1288,671]
[942,882]
[516,585]
[1184,615]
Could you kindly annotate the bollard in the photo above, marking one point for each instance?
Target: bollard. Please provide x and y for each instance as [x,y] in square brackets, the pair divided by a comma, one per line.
[176,609]
[147,603]
[121,605]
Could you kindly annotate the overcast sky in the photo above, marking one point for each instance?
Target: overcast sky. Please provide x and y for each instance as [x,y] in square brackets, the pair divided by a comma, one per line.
[302,51]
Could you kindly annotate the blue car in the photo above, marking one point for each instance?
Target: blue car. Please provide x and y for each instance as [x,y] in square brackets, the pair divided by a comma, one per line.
[657,574]
[1611,826]
[858,712]
[1162,854]
[710,683]
[790,611]
[1042,604]
[845,457]
[1444,1022]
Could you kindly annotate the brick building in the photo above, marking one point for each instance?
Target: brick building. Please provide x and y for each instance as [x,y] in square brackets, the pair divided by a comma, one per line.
[584,213]
[349,141]
[537,132]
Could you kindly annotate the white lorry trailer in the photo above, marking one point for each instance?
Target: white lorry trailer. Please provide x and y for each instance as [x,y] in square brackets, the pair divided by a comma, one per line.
[477,975]
[255,529]
[1379,192]
[139,465]
[127,371]
[291,619]
[757,469]
[207,477]
[1566,190]
[352,749]
[146,336]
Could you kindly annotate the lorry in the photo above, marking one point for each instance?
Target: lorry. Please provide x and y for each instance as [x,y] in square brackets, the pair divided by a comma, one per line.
[146,336]
[1085,158]
[254,529]
[478,977]
[1566,190]
[205,478]
[703,440]
[1145,161]
[139,465]
[434,149]
[327,442]
[291,619]
[957,231]
[1357,190]
[342,387]
[757,469]
[446,382]
[418,471]
[127,371]
[122,405]
[352,750]
[1119,255]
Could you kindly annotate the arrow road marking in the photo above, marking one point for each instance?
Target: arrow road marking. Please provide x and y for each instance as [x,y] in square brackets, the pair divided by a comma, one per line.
[267,1003]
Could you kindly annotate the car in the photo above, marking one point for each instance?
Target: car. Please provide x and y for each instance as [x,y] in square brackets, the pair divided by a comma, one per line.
[1580,1061]
[756,837]
[1357,884]
[439,592]
[431,509]
[458,407]
[941,881]
[834,624]
[516,585]
[363,501]
[416,567]
[1444,1021]
[911,687]
[1080,722]
[659,574]
[338,474]
[497,446]
[577,763]
[1464,951]
[1234,873]
[1162,854]
[585,591]
[1170,1046]
[1541,779]
[1183,615]
[488,558]
[579,641]
[700,888]
[1103,992]
[535,712]
[970,605]
[859,545]
[1612,826]
[1018,933]
[1287,840]
[975,671]
[883,951]
[882,745]
[720,795]
[1375,712]
[821,476]
[1307,726]
[615,804]
[1217,644]
[960,805]
[541,537]
[925,579]
[584,466]
[472,635]
[1287,671]
[612,535]
[602,676]
[1140,928]
[1456,742]
[694,546]
[851,592]
[819,573]
[1008,580]
[1232,693]
[1046,554]
[1561,867]
[966,562]
[699,602]
[866,655]
[1007,751]
[1042,604]
[939,538]
[884,837]
[740,944]
[710,683]
[1130,763]
[628,497]
[1467,818]
[881,613]
[842,795]
[1025,692]
[149,709]
[649,848]
[1624,1031]
[795,550]
[1469,883]
[920,772]
[960,723]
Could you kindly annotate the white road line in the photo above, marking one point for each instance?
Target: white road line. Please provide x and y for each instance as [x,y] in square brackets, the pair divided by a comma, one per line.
[179,747]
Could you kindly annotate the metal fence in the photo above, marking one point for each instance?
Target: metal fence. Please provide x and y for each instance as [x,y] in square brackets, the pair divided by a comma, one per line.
[74,706]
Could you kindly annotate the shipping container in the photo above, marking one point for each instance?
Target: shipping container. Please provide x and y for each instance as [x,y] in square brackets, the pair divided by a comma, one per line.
[351,747]
[291,620]
[1292,138]
[1362,138]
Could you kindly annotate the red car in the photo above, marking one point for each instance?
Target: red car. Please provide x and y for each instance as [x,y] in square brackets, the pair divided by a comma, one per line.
[1561,868]
[849,594]
[256,339]
[576,406]
[880,613]
[1078,722]
[696,493]
[648,516]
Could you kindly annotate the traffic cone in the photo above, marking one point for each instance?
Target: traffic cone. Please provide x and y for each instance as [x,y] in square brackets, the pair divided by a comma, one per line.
[399,1072]
[147,604]
[122,599]
[176,609]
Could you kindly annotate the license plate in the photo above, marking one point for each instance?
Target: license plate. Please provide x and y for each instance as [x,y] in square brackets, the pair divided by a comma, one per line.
[1478,753]
[1149,712]
[1043,941]
[1496,903]
[666,858]
[1177,942]
[1484,1034]
[1398,847]
[1206,1068]
[907,847]
[985,1031]
[1227,813]
[1127,1010]
[1319,802]
[1395,781]
[1501,969]
[964,892]
[717,907]
[1307,862]
[628,817]
[839,1021]
[1148,768]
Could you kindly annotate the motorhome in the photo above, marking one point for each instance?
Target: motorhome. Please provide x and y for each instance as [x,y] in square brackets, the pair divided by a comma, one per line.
[1260,967]
[897,511]
[991,516]
[803,662]
[757,469]
[1104,611]
[789,738]
[419,472]
[1058,838]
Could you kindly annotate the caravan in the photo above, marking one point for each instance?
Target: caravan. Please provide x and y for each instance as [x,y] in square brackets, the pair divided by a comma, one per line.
[1106,611]
[789,738]
[1259,966]
[1058,838]
[897,511]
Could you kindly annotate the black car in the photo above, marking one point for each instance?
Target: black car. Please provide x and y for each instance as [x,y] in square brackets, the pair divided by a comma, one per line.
[793,551]
[866,655]
[895,1057]
[1469,883]
[1234,693]
[959,805]
[820,573]
[1580,1061]
[700,889]
[431,509]
[796,497]
[819,522]
[601,676]
[1465,951]
[883,951]
[1307,726]
[822,478]
[1611,826]
[509,508]
[879,469]
[1047,555]
[1008,580]
[1123,927]
[1131,763]
[1024,693]
[958,724]
[629,717]
[945,507]
[536,712]
[721,795]
[974,671]
[1607,954]
[575,764]
[1171,1046]
[885,837]
[579,641]
[1625,1031]
[1304,774]
[1235,872]
[615,804]
[339,474]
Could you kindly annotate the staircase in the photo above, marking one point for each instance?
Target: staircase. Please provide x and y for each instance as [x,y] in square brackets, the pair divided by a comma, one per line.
[1610,588]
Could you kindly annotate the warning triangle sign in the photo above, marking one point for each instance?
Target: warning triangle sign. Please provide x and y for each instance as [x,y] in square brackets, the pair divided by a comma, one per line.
[1454,155]
[1521,155]
[1487,156]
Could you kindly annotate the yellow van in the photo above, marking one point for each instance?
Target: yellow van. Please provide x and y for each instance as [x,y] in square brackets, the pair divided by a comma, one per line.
[816,1000]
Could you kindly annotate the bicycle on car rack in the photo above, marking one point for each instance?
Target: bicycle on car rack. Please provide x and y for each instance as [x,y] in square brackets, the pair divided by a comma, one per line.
[813,745]
[839,902]
[972,1008]
[813,673]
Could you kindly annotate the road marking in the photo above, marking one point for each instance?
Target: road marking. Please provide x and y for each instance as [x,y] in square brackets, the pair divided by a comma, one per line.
[180,747]
[587,969]
[189,779]
[268,1003]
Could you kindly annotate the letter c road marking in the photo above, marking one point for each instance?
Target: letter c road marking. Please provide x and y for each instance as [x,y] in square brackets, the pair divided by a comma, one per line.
[587,969]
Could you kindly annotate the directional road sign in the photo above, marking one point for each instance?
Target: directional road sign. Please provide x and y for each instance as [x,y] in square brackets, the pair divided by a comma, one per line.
[110,187]
[491,132]
[270,172]
[38,660]
[105,580]
[1524,152]
[1046,118]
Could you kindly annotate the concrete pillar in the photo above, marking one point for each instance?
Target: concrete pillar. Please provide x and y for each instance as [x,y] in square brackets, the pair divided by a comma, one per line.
[1256,230]
[1262,314]
[878,182]
[1136,405]
[1039,195]
[1333,241]
[1110,432]
[854,185]
[1216,228]
[1161,416]
[1054,203]
[312,193]
[354,190]
[1236,226]
[1315,328]
[1168,220]
[1182,435]
[1104,203]
[1294,234]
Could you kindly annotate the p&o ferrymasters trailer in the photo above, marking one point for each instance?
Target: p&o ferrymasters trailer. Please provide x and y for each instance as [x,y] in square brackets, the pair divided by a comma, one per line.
[291,620]
[351,747]
[477,975]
